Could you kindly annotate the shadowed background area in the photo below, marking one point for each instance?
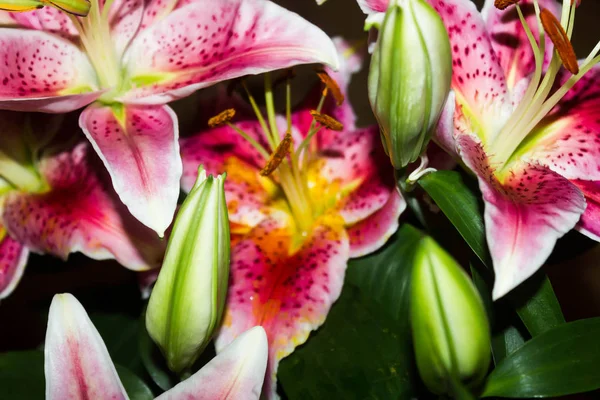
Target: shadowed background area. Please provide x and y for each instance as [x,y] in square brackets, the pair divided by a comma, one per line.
[106,286]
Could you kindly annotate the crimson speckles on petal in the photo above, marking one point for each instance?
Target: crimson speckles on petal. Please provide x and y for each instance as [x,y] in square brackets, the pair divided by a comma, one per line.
[13,257]
[79,212]
[289,295]
[38,65]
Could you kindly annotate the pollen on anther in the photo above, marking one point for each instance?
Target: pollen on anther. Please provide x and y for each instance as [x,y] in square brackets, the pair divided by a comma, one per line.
[332,85]
[327,120]
[503,4]
[277,157]
[221,118]
[561,41]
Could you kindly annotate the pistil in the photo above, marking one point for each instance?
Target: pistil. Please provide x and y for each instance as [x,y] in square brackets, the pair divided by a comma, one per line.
[94,32]
[536,102]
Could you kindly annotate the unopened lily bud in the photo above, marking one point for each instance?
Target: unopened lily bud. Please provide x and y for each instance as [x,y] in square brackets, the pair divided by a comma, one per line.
[188,298]
[451,334]
[409,78]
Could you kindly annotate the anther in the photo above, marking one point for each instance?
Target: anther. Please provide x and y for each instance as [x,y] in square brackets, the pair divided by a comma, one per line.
[561,41]
[332,85]
[222,118]
[277,157]
[503,4]
[327,120]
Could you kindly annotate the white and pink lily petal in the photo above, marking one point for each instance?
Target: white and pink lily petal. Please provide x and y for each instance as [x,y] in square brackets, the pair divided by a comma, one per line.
[78,366]
[13,258]
[77,212]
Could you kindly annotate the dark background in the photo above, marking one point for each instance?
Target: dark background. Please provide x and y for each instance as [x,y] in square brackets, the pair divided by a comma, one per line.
[106,286]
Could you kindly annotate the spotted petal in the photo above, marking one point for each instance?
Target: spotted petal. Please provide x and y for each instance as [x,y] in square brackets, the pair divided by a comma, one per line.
[568,139]
[48,19]
[589,224]
[80,212]
[287,294]
[139,147]
[76,362]
[192,48]
[237,372]
[525,214]
[42,72]
[356,163]
[223,150]
[124,18]
[13,257]
[509,39]
[371,233]
[478,79]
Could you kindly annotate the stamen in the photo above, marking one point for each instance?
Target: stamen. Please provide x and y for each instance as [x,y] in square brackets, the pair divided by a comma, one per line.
[561,41]
[277,157]
[222,118]
[327,121]
[503,4]
[332,85]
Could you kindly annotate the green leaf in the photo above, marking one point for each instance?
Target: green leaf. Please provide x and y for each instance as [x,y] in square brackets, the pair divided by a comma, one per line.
[534,301]
[134,385]
[22,377]
[121,335]
[363,350]
[558,362]
[461,207]
[154,361]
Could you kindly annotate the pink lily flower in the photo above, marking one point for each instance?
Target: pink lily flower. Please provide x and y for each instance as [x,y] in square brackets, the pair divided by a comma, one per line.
[77,364]
[59,201]
[295,227]
[526,127]
[129,58]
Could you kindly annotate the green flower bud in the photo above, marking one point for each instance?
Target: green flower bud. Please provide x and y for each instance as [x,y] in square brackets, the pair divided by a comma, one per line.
[409,78]
[188,298]
[451,334]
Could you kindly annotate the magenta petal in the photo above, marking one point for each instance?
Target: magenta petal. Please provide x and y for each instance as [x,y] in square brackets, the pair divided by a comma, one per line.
[235,38]
[371,233]
[48,19]
[589,224]
[524,214]
[509,39]
[76,362]
[140,150]
[289,295]
[80,212]
[373,6]
[221,150]
[237,372]
[569,141]
[478,78]
[13,257]
[42,72]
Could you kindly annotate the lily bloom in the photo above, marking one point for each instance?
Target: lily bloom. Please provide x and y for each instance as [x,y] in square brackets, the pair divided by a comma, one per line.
[59,200]
[77,364]
[322,194]
[528,128]
[129,58]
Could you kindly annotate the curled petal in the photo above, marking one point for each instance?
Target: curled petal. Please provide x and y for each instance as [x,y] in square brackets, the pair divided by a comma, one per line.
[80,212]
[42,72]
[478,79]
[76,362]
[289,295]
[140,149]
[13,257]
[223,150]
[525,214]
[589,224]
[373,6]
[370,234]
[237,372]
[509,40]
[236,38]
[568,139]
